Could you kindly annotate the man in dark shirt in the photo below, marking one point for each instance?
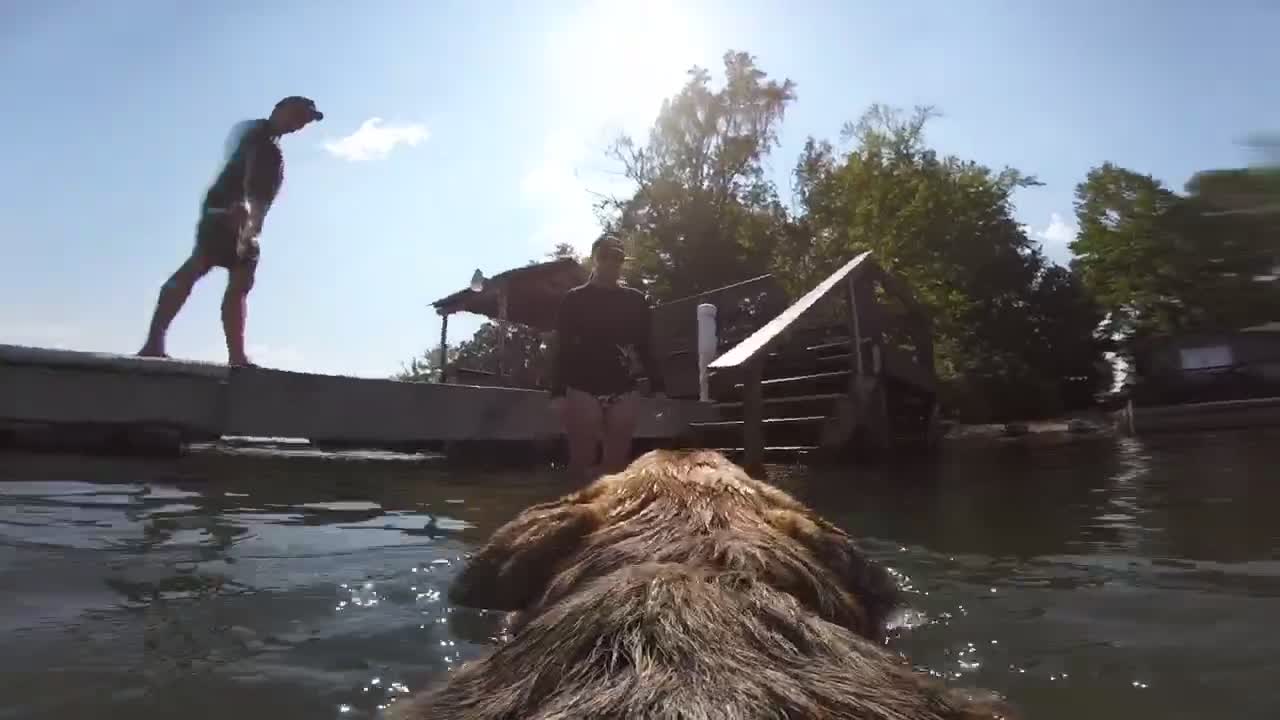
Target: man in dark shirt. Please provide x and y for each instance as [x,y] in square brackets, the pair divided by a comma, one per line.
[599,325]
[230,220]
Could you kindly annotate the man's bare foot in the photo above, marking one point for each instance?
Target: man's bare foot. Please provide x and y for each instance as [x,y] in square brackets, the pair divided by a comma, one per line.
[242,362]
[148,351]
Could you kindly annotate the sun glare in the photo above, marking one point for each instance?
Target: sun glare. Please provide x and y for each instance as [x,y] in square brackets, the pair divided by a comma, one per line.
[622,58]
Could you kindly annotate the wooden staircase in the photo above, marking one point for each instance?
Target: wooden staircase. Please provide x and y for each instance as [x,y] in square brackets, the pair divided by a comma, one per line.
[795,387]
[800,388]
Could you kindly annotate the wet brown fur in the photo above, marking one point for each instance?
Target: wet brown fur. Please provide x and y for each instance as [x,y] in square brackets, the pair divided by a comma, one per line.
[682,588]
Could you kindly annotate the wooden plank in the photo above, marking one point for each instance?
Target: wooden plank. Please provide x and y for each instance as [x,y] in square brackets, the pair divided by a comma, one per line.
[801,420]
[785,400]
[800,378]
[855,329]
[761,340]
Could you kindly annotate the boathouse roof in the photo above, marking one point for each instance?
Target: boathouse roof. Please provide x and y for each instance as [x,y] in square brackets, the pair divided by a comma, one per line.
[533,293]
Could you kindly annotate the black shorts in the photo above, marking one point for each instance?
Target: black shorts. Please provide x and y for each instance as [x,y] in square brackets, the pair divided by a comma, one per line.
[223,243]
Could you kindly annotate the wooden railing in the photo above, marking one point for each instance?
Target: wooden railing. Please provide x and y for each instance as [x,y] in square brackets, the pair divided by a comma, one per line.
[741,308]
[756,346]
[867,325]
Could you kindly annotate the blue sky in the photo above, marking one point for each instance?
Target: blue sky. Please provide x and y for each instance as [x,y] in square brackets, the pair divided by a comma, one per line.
[463,135]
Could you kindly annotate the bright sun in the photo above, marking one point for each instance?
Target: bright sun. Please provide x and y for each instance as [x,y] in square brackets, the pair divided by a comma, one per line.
[622,58]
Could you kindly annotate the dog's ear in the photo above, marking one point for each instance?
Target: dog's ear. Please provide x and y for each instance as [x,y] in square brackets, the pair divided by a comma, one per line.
[515,566]
[868,581]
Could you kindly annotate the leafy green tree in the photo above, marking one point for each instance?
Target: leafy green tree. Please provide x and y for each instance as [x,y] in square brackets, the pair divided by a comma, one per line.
[425,367]
[1067,344]
[1126,250]
[524,354]
[946,226]
[1014,334]
[703,214]
[1160,263]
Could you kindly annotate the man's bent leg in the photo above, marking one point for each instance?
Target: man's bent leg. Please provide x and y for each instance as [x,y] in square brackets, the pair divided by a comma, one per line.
[235,303]
[173,295]
[583,420]
[619,429]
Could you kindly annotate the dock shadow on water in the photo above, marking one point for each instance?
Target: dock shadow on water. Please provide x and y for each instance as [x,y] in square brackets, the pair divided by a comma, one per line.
[1105,579]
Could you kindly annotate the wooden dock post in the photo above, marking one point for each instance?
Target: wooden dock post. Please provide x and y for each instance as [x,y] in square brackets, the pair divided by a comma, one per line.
[444,347]
[502,334]
[855,327]
[753,416]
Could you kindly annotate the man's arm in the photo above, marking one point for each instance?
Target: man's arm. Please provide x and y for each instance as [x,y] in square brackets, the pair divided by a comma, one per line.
[645,346]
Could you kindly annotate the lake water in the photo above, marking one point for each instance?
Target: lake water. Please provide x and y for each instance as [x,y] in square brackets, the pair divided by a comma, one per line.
[1102,579]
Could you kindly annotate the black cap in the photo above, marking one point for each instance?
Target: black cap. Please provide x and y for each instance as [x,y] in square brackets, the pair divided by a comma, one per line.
[609,242]
[308,102]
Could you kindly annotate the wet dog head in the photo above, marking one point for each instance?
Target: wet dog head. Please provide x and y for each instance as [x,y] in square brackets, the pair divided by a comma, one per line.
[667,640]
[692,508]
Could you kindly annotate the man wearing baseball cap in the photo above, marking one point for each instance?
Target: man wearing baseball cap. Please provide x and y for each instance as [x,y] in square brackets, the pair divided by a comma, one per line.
[600,324]
[231,218]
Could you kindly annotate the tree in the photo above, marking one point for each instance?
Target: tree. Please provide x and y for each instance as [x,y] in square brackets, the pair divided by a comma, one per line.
[425,367]
[946,226]
[1013,333]
[1067,343]
[525,356]
[1125,250]
[1161,263]
[703,215]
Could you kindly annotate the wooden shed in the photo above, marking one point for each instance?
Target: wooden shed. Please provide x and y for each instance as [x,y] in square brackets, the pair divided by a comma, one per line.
[528,295]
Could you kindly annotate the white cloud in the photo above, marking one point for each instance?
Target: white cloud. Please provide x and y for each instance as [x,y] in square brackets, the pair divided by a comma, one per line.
[1056,237]
[374,141]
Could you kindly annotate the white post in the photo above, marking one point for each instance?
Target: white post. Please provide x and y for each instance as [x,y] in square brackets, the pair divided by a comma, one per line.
[707,345]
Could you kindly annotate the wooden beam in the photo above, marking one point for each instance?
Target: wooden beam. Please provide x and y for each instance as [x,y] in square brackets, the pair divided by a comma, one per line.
[760,341]
[855,329]
[444,347]
[502,327]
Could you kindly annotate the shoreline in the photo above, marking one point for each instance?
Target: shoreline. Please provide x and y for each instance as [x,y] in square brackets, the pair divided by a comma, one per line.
[1078,427]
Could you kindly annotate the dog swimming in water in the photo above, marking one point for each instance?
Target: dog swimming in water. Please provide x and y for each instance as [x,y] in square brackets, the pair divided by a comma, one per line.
[682,588]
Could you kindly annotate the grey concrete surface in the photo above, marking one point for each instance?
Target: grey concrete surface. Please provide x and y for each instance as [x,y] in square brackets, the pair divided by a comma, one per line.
[59,387]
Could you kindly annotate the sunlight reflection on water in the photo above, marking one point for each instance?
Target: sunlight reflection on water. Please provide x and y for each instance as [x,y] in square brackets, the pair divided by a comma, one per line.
[1109,579]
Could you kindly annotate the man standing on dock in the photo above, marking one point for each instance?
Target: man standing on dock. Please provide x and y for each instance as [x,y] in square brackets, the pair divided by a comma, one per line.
[598,324]
[231,219]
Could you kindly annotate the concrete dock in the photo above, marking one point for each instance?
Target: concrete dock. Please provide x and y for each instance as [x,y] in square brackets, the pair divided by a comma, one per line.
[102,402]
[1221,415]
